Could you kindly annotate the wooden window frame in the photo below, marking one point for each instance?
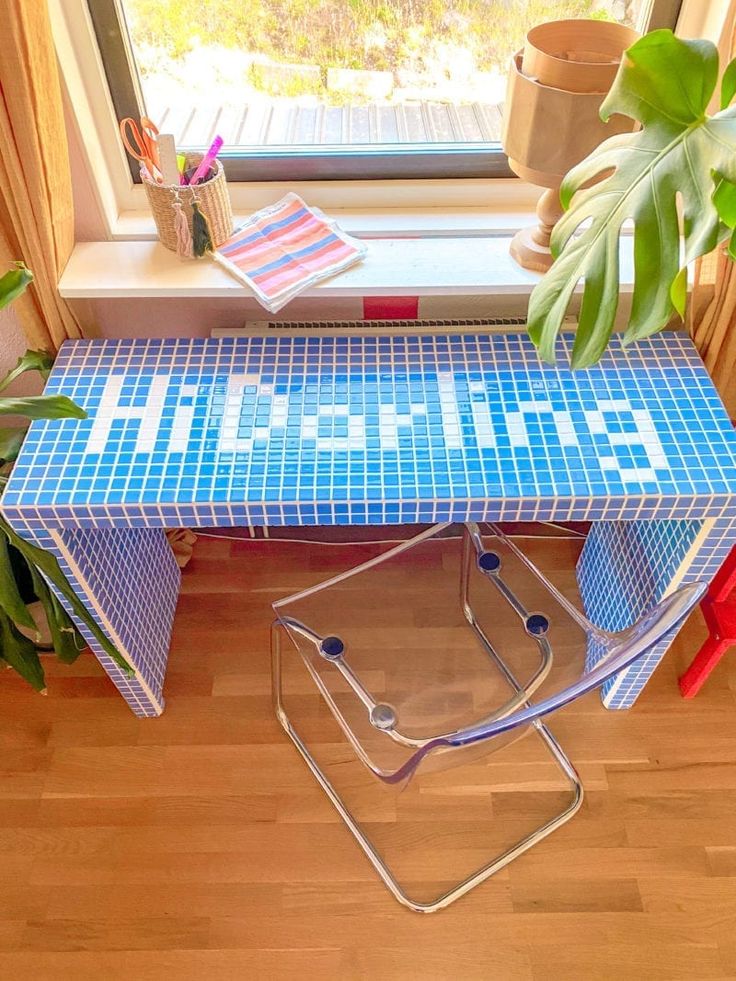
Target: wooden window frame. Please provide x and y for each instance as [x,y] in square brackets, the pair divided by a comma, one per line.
[372,206]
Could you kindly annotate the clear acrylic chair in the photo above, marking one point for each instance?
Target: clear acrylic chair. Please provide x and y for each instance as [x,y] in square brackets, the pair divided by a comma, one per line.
[420,678]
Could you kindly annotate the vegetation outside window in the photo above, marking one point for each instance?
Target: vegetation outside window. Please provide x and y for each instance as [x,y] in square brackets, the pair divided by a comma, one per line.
[328,89]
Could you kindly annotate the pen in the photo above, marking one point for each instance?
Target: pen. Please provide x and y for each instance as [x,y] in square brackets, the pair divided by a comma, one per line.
[207,161]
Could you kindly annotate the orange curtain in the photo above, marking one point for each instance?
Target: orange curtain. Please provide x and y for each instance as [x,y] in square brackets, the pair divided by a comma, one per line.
[713,322]
[712,312]
[36,206]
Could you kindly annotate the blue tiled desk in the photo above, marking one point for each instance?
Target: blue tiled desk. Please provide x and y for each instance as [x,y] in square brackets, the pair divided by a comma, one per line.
[364,430]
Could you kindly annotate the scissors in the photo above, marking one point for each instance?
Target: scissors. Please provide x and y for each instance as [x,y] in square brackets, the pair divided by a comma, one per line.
[140,142]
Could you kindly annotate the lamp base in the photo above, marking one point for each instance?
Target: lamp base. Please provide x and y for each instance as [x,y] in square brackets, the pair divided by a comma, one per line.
[530,246]
[528,252]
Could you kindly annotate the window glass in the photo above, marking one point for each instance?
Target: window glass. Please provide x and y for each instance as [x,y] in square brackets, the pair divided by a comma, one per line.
[269,73]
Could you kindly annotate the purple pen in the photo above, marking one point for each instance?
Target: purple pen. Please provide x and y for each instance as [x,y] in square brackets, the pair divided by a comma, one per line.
[207,161]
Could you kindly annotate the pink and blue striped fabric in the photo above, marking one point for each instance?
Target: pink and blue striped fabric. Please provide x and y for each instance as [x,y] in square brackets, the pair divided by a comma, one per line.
[286,248]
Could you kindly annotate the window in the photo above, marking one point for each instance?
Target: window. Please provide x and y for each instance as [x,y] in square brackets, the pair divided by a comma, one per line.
[332,89]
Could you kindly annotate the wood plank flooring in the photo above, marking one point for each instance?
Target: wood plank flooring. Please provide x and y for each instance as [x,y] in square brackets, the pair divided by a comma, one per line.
[197,846]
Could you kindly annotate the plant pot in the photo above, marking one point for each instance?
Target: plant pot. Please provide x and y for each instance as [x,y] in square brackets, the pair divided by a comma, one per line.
[41,636]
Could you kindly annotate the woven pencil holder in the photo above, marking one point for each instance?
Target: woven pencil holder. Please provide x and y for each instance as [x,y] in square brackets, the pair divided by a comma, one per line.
[211,197]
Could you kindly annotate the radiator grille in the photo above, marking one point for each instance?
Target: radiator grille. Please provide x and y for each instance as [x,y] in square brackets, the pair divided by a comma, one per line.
[441,326]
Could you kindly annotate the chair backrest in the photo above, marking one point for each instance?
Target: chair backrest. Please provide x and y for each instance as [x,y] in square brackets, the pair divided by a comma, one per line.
[635,643]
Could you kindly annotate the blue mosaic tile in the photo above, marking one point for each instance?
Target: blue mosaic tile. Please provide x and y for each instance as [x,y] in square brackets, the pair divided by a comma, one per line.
[628,566]
[274,428]
[129,580]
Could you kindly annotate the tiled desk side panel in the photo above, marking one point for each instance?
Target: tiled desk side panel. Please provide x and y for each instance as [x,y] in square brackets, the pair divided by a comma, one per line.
[129,580]
[627,566]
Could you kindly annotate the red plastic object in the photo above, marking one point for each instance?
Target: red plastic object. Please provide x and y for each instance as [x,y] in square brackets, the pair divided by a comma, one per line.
[390,307]
[719,610]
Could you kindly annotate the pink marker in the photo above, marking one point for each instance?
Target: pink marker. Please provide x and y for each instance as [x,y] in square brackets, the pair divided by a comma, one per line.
[207,160]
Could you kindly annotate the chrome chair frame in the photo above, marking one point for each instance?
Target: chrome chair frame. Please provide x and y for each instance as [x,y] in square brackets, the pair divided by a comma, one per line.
[472,549]
[367,845]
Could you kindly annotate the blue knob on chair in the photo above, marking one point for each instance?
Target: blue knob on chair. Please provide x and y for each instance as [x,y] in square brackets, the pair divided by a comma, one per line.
[331,648]
[536,624]
[489,562]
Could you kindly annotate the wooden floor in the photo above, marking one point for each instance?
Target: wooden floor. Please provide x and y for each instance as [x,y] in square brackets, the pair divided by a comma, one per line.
[196,846]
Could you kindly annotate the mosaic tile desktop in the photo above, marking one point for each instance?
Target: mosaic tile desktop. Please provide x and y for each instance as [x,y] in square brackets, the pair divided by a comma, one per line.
[297,424]
[361,430]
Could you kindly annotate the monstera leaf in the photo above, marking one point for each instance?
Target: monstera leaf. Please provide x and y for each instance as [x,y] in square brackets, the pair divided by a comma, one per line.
[662,178]
[13,283]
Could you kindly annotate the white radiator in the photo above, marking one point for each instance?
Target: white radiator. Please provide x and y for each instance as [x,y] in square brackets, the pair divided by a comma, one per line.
[262,328]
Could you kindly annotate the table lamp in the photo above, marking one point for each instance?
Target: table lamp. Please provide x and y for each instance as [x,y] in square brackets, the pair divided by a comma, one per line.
[556,86]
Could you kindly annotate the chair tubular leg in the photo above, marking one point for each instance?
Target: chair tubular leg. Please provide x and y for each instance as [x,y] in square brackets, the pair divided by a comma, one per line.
[471,543]
[366,844]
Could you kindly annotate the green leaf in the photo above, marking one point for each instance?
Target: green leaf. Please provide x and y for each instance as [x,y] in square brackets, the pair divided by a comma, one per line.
[728,84]
[724,198]
[10,598]
[678,292]
[732,246]
[48,565]
[11,440]
[664,80]
[666,84]
[13,283]
[68,642]
[20,653]
[42,407]
[40,361]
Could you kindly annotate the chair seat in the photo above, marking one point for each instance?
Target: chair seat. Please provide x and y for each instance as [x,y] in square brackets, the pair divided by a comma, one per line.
[508,637]
[386,678]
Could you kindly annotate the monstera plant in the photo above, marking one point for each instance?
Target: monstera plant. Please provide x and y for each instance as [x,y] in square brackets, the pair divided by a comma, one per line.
[674,179]
[25,569]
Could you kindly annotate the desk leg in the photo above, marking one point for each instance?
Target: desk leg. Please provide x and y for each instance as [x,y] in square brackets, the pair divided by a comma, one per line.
[129,580]
[627,566]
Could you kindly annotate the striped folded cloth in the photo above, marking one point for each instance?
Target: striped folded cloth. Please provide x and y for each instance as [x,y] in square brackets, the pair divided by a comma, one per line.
[283,250]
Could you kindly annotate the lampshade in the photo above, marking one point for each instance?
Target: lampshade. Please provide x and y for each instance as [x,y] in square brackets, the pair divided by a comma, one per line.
[547,130]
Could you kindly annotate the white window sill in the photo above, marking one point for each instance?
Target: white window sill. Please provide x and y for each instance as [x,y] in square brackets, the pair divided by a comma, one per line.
[431,266]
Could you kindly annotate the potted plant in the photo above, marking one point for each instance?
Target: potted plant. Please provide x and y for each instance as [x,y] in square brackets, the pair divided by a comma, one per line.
[27,572]
[674,178]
